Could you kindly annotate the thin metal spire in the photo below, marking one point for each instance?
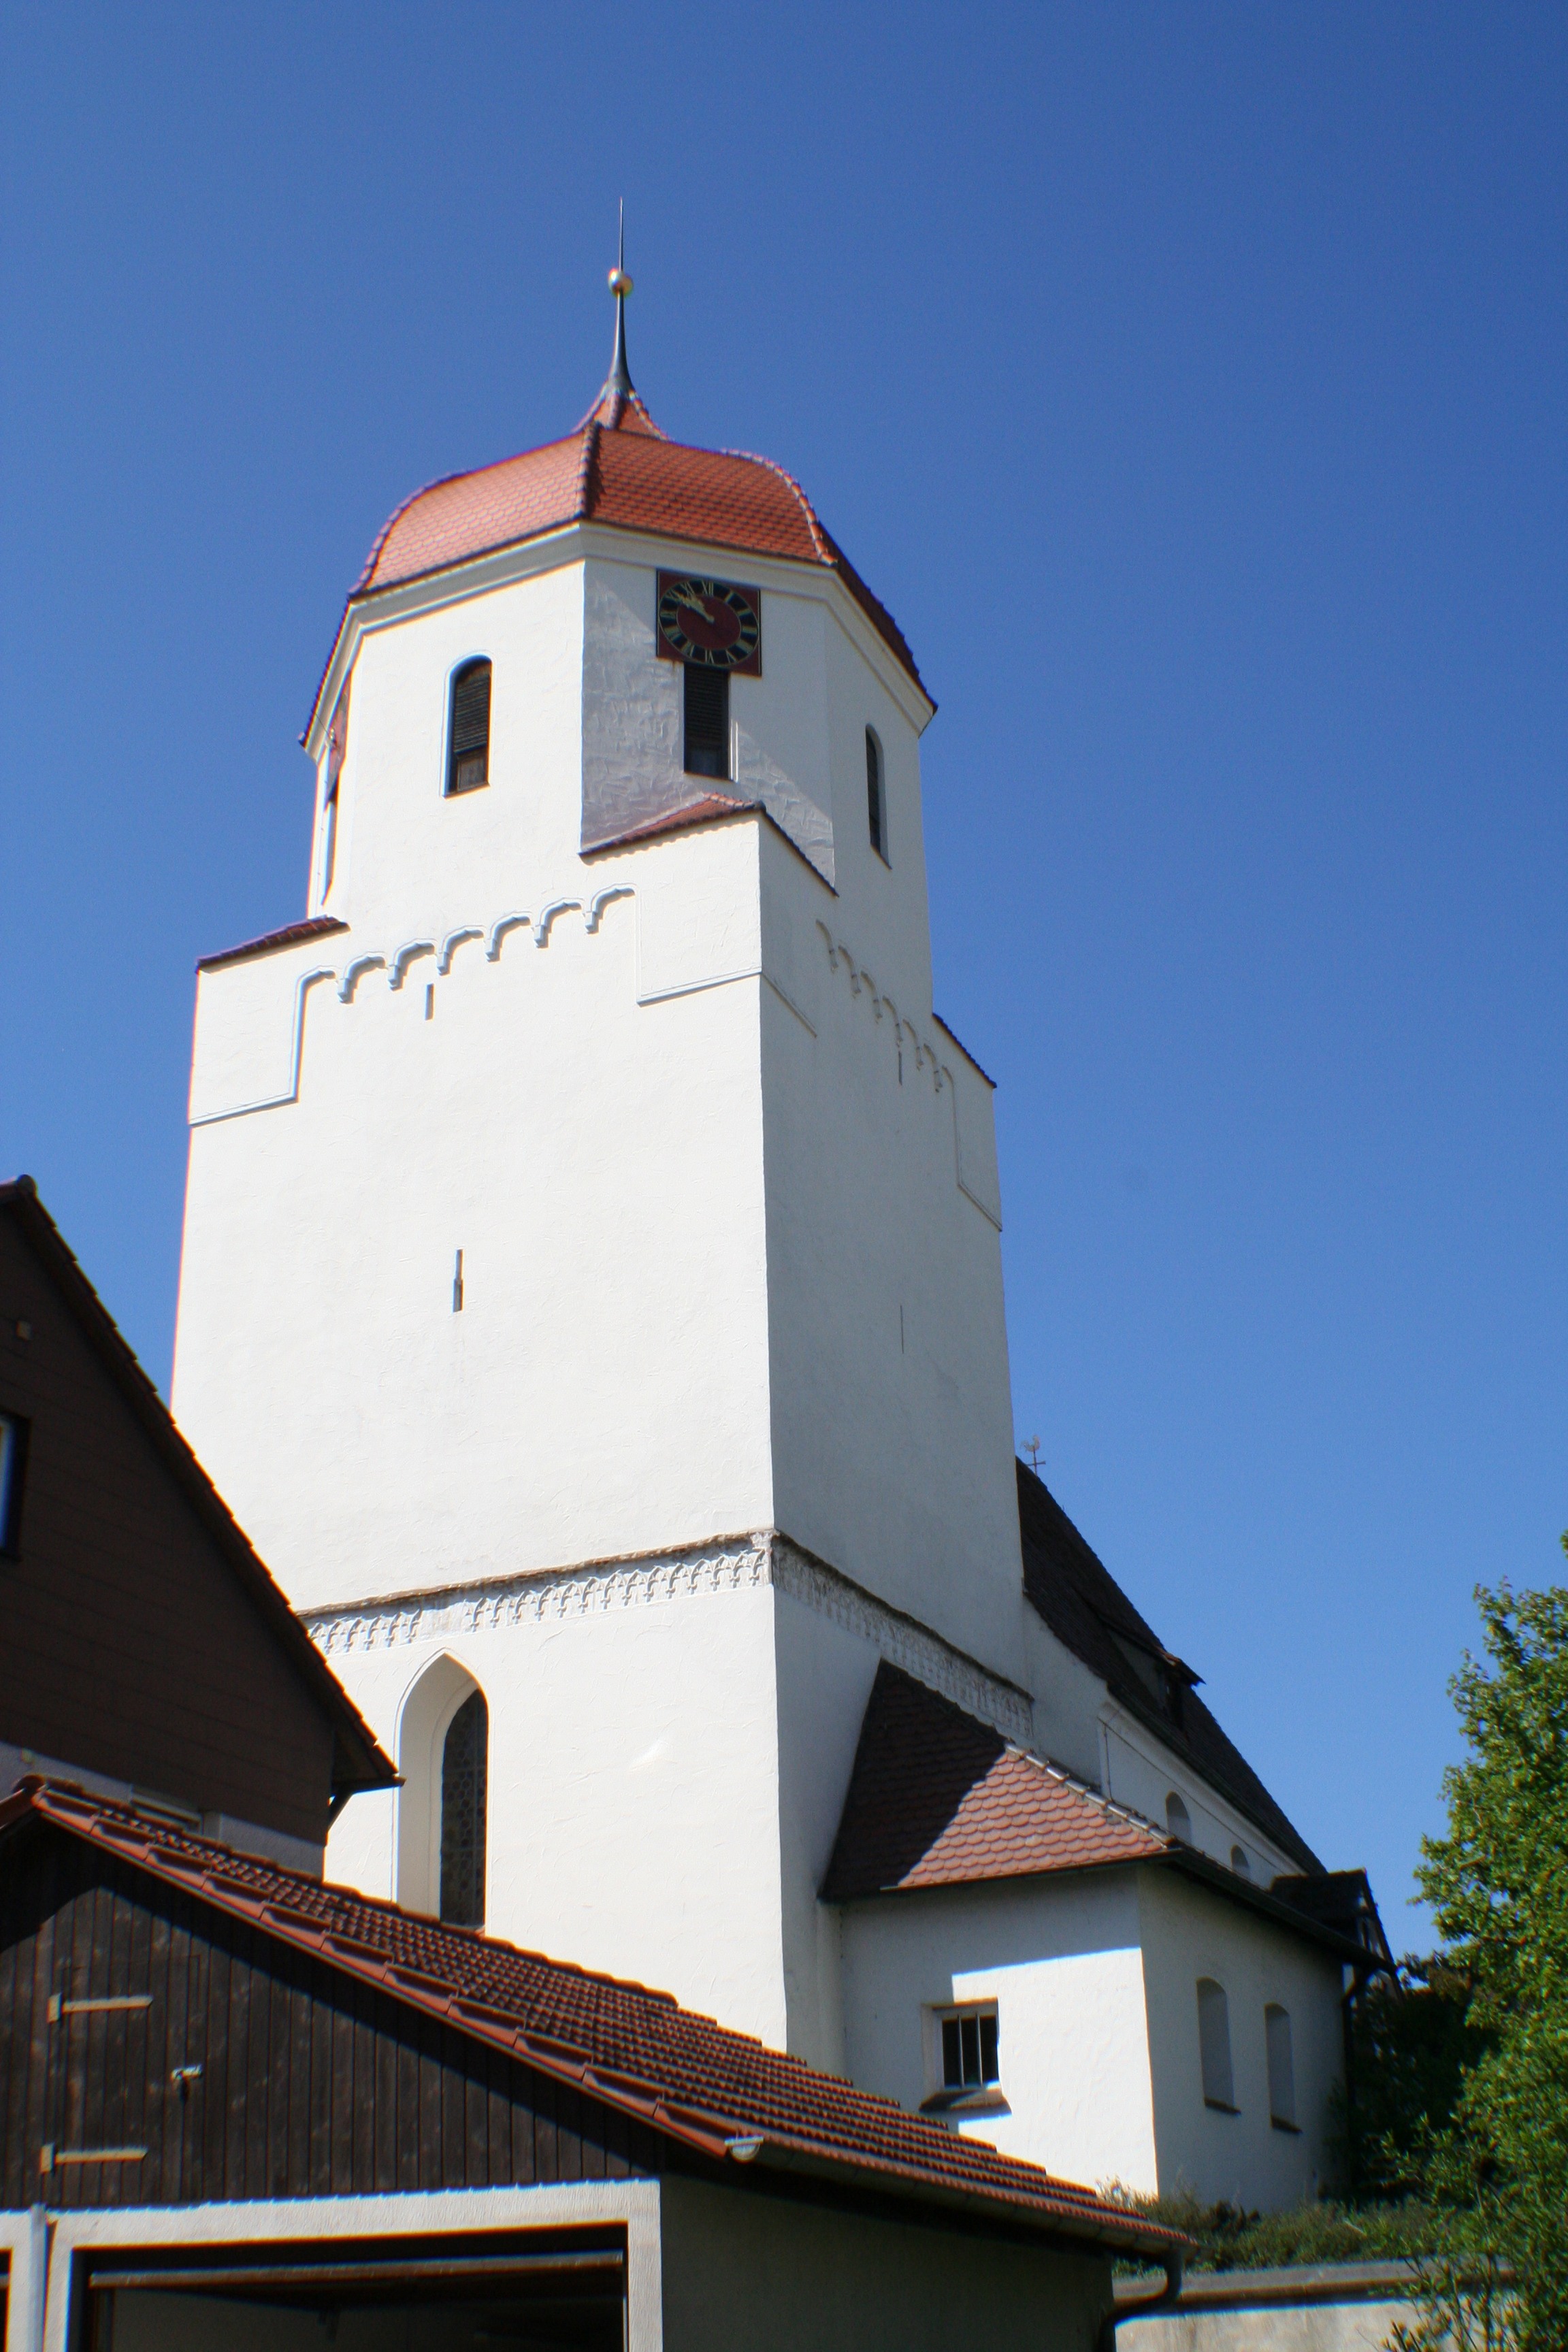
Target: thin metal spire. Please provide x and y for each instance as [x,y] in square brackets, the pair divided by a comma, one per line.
[620,377]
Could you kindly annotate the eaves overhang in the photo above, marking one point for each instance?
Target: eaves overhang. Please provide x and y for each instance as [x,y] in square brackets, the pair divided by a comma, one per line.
[551,549]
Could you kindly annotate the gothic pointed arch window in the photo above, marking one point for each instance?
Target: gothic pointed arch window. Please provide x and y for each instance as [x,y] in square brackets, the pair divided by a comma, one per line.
[465,1773]
[468,728]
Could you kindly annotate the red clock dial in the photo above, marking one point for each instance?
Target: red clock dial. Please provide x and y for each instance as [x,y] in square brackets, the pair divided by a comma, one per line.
[712,623]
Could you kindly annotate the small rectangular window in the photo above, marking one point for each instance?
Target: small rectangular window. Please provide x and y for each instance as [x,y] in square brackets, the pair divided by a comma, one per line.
[706,721]
[875,799]
[969,2050]
[13,1472]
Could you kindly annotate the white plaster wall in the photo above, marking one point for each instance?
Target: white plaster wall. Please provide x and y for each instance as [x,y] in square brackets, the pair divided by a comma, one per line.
[774,2275]
[1190,1933]
[1069,1702]
[891,1412]
[633,1791]
[598,1160]
[1062,1960]
[1140,1772]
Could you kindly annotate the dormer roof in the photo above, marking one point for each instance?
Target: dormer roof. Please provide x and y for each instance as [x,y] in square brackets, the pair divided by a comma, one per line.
[618,468]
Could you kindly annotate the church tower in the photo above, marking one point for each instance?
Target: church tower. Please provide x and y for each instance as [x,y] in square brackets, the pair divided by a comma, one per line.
[591,1302]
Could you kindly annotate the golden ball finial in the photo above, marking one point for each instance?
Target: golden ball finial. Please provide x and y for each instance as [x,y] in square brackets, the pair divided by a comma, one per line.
[620,283]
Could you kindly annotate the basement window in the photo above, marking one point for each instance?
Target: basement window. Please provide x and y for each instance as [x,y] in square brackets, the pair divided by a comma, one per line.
[13,1472]
[707,723]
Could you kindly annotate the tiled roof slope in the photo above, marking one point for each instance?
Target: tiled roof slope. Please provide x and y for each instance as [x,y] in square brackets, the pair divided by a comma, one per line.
[637,2051]
[938,1799]
[618,468]
[1086,1609]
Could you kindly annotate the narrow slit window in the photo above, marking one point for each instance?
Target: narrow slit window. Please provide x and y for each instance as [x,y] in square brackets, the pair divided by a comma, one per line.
[337,751]
[465,1769]
[1214,2046]
[468,755]
[13,1470]
[1281,2068]
[1178,1821]
[876,797]
[969,2050]
[707,723]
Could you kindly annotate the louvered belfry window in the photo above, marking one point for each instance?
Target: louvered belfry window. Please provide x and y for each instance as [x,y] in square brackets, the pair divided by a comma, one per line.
[464,1774]
[707,723]
[468,757]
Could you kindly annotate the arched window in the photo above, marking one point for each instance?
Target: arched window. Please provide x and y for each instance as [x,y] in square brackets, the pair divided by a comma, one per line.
[468,728]
[876,797]
[442,1754]
[1281,2068]
[1240,1862]
[1178,1821]
[1214,2046]
[465,1761]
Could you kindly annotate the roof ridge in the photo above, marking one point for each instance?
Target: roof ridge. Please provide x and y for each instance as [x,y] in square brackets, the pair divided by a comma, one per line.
[1087,1789]
[825,552]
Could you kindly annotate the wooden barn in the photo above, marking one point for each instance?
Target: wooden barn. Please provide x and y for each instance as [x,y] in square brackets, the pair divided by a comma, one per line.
[240,2108]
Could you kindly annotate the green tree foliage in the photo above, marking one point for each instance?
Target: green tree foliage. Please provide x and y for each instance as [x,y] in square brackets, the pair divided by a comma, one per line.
[1412,2040]
[1498,1883]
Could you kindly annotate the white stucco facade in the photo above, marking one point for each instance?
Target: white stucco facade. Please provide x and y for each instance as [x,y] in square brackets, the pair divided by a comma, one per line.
[1094,1977]
[591,1295]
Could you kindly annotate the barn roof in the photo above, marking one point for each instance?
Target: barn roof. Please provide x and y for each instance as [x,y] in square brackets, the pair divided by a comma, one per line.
[723,2095]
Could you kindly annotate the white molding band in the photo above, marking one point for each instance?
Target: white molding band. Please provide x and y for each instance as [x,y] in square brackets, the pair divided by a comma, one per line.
[733,1564]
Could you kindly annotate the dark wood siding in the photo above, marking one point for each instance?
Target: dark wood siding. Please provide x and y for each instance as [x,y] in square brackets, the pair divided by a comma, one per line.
[129,1646]
[311,2084]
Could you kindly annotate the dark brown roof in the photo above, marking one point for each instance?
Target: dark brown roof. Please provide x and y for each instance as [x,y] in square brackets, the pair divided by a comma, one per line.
[358,1761]
[633,2048]
[314,926]
[617,468]
[1084,1608]
[939,1798]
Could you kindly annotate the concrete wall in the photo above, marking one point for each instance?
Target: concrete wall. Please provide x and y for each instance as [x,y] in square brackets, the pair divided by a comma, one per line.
[1061,1959]
[1188,1933]
[774,2275]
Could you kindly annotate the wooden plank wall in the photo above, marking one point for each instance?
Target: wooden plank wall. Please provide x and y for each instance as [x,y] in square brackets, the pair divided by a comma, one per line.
[311,2084]
[129,1646]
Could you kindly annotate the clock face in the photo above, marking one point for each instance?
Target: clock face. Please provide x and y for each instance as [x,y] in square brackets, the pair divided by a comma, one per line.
[709,623]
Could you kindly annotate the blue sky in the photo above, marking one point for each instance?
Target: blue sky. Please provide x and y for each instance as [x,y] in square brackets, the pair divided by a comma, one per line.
[1190,381]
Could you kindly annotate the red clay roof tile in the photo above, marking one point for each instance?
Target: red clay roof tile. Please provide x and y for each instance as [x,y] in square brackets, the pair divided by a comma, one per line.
[617,468]
[938,1799]
[631,2047]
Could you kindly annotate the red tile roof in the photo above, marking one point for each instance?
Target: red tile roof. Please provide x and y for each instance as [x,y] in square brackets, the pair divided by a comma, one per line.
[938,1799]
[617,468]
[634,2049]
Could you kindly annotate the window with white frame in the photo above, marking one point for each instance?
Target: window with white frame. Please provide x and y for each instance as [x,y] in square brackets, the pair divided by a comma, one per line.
[1214,2046]
[1281,2068]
